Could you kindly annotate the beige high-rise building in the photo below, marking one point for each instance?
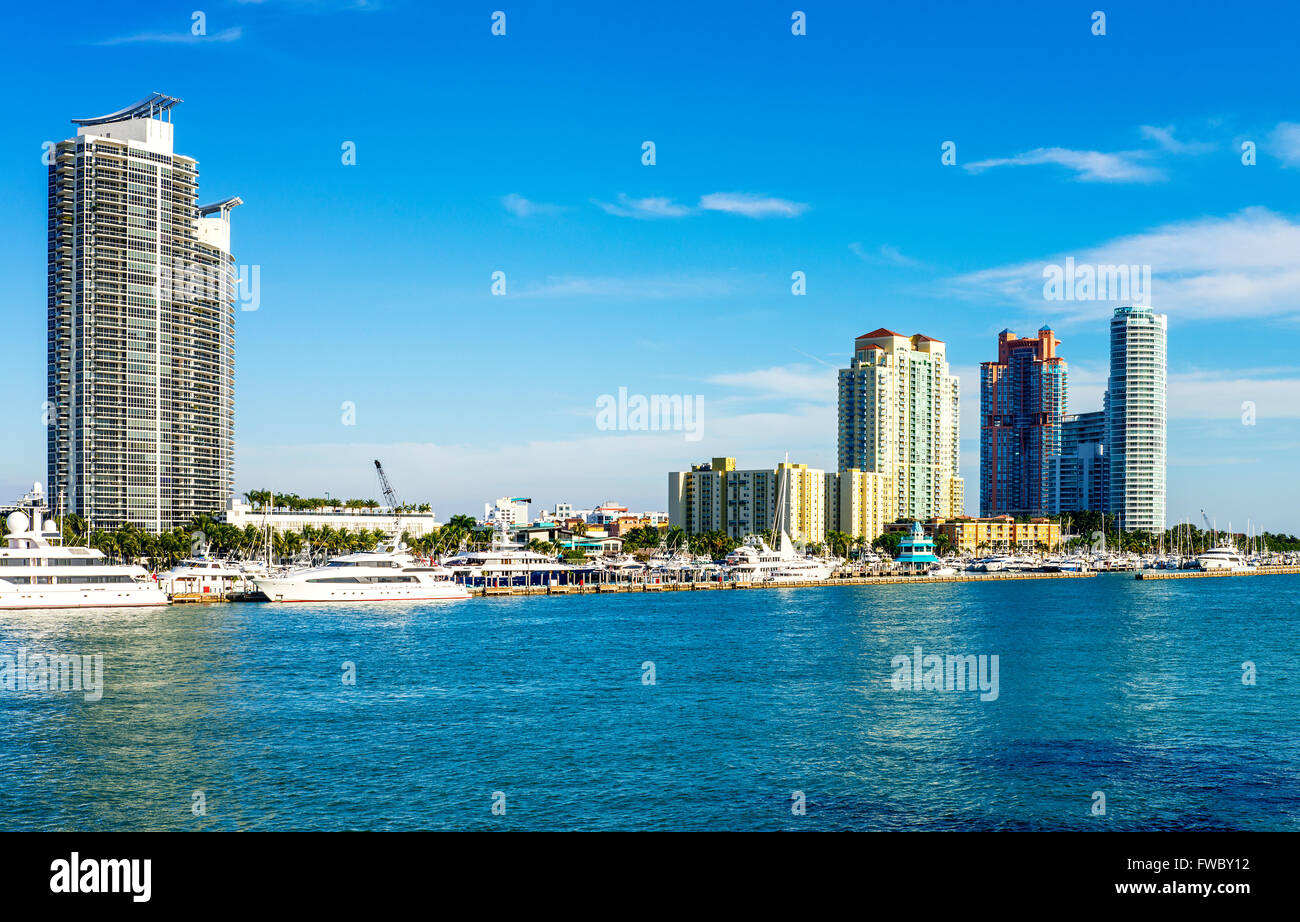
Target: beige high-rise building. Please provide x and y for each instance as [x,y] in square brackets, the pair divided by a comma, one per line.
[697,499]
[898,417]
[863,502]
[715,496]
[804,511]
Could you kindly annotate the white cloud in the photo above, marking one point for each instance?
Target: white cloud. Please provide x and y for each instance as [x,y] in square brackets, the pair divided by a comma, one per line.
[751,205]
[232,34]
[521,207]
[1088,165]
[783,382]
[1284,143]
[1242,265]
[1165,138]
[1220,395]
[746,204]
[650,207]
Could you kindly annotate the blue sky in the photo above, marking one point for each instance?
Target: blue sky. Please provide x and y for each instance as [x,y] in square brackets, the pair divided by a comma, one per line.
[775,153]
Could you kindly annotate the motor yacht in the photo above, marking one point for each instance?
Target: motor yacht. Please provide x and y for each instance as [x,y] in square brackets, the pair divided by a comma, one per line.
[372,576]
[755,561]
[1224,557]
[37,571]
[506,563]
[202,576]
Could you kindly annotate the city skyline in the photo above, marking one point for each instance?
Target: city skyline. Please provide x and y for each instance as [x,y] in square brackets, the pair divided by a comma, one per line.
[676,278]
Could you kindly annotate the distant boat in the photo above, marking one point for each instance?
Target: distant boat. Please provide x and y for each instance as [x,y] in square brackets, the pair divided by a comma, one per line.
[1224,557]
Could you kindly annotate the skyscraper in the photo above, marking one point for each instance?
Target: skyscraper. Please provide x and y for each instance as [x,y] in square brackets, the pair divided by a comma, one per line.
[141,326]
[898,416]
[1136,418]
[1080,480]
[1023,396]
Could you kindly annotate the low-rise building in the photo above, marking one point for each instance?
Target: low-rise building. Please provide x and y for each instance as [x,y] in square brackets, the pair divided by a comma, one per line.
[997,533]
[417,524]
[508,510]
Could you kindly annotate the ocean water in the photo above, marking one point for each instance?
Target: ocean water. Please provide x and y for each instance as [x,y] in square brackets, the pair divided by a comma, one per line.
[1107,685]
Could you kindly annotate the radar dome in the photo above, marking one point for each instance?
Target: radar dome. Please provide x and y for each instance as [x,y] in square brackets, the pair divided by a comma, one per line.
[51,525]
[16,522]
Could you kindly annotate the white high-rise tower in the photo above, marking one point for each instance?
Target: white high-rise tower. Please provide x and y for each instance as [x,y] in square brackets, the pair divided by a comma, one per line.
[141,326]
[1136,418]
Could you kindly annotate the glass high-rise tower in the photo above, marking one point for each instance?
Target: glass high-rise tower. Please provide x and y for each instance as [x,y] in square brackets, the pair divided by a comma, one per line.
[1136,418]
[141,292]
[1023,396]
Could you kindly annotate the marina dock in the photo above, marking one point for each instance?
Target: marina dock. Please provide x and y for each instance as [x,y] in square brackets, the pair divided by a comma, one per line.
[733,585]
[1213,574]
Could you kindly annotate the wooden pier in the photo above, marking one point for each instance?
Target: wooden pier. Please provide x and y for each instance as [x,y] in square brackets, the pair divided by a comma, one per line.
[198,598]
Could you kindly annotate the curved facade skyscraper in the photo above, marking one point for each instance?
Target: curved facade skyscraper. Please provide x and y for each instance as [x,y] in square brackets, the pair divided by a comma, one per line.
[141,354]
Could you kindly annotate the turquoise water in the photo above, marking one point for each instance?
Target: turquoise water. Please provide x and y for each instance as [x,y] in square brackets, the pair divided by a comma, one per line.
[1133,689]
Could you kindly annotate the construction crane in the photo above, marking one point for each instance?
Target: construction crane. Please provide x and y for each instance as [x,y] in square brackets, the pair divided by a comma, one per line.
[1210,529]
[390,497]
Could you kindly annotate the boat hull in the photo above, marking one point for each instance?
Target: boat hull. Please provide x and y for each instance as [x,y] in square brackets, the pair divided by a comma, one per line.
[23,600]
[290,591]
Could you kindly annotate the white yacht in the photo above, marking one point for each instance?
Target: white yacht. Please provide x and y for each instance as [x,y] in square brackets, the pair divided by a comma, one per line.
[507,563]
[203,575]
[1062,563]
[36,571]
[373,576]
[620,563]
[1224,557]
[755,561]
[994,563]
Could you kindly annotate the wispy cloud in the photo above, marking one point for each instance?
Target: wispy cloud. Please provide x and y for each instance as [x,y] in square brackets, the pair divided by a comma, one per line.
[1242,265]
[1165,138]
[233,34]
[752,205]
[521,207]
[783,382]
[746,204]
[1088,165]
[1284,143]
[651,207]
[884,255]
[1215,394]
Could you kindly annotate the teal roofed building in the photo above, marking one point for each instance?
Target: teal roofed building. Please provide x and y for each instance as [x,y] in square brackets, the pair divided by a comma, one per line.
[916,550]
